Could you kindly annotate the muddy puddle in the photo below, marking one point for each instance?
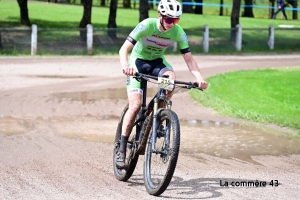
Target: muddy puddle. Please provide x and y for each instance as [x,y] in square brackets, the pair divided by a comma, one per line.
[232,140]
[94,95]
[221,139]
[12,126]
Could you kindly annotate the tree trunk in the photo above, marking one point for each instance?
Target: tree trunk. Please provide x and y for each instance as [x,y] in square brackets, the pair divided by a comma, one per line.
[294,5]
[199,8]
[221,7]
[112,25]
[187,8]
[151,5]
[235,14]
[248,11]
[24,17]
[271,11]
[144,8]
[86,18]
[102,3]
[126,4]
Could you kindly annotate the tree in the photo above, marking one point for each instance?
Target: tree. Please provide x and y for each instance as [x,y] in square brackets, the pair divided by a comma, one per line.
[24,17]
[187,8]
[221,7]
[199,8]
[235,14]
[294,5]
[144,8]
[271,11]
[126,4]
[102,2]
[112,25]
[86,18]
[151,4]
[248,11]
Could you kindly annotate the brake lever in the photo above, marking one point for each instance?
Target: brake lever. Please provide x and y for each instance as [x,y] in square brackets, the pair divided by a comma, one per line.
[196,85]
[139,77]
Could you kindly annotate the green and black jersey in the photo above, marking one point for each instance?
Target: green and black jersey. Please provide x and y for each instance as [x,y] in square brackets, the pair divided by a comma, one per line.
[150,43]
[149,47]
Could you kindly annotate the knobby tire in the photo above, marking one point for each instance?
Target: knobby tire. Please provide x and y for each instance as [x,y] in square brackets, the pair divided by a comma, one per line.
[124,174]
[159,168]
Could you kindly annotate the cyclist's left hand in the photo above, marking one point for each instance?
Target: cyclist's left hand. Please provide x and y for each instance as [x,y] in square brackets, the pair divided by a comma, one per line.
[202,84]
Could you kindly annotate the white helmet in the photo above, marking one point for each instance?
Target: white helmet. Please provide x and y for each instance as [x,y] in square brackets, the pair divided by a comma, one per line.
[170,8]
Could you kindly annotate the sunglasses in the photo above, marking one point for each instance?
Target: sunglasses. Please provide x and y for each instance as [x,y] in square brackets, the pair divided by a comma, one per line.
[171,20]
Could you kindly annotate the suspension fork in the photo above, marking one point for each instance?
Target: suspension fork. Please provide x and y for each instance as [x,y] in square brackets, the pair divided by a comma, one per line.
[154,123]
[156,111]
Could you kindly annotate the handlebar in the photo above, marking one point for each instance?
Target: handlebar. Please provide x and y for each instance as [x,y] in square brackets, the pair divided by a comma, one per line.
[187,85]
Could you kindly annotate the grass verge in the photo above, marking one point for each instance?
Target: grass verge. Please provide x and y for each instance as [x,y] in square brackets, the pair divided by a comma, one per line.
[265,96]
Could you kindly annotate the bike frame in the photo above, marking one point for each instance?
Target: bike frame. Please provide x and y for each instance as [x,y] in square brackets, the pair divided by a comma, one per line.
[159,97]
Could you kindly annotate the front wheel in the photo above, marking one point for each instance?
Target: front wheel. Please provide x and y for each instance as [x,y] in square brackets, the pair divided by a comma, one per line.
[160,163]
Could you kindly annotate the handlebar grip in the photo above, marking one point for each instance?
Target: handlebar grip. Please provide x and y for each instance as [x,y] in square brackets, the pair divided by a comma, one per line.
[136,73]
[195,85]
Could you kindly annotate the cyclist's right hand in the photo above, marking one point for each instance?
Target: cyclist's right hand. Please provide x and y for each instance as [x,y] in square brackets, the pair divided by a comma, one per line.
[129,71]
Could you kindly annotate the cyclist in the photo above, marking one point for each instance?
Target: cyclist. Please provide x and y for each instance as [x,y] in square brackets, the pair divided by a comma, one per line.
[148,42]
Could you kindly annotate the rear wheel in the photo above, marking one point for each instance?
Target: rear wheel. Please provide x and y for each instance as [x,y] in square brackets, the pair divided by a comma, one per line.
[159,165]
[131,159]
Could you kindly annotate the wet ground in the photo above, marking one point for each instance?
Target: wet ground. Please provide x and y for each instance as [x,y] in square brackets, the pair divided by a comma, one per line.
[216,138]
[57,124]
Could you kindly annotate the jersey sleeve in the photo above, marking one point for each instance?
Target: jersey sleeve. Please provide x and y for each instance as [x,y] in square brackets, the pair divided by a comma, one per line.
[182,41]
[139,31]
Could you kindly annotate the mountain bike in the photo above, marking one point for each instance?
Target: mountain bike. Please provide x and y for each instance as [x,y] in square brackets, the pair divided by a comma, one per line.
[156,134]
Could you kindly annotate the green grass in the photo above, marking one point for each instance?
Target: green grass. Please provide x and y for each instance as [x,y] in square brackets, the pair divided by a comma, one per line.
[69,16]
[265,96]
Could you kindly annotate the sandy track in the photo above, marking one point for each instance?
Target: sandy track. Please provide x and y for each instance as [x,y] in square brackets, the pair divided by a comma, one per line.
[56,148]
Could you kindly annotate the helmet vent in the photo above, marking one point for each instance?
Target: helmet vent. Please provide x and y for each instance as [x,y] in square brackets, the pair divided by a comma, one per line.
[171,8]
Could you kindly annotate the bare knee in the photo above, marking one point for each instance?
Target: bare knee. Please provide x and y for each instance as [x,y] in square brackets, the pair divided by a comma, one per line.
[134,106]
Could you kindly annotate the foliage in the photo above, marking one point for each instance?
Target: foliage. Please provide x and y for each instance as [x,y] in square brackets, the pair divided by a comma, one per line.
[69,16]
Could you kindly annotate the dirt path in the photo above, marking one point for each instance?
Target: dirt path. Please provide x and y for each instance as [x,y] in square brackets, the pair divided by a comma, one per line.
[53,146]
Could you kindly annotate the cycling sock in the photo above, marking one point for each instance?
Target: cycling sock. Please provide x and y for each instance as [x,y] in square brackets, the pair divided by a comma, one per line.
[123,144]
